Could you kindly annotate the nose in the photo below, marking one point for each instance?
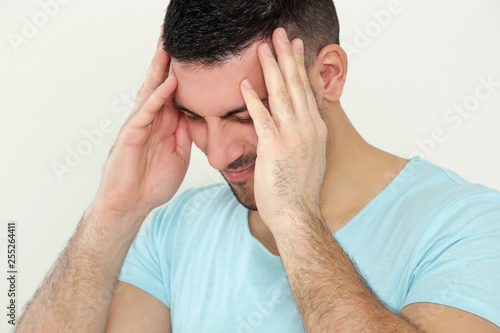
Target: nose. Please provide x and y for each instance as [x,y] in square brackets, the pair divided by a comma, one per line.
[223,146]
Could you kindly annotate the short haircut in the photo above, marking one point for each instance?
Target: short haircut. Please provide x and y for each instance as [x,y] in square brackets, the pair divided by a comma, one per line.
[210,32]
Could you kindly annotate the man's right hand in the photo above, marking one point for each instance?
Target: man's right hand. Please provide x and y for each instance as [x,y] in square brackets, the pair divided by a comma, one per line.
[144,170]
[151,154]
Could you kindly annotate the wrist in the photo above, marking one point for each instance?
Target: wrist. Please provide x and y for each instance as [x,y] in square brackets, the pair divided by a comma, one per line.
[300,217]
[115,224]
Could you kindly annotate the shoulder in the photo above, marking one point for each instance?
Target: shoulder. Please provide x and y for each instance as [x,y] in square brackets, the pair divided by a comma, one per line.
[431,203]
[449,209]
[192,199]
[434,190]
[188,207]
[432,176]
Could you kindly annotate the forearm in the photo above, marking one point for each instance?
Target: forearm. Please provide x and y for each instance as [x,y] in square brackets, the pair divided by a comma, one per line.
[76,295]
[330,294]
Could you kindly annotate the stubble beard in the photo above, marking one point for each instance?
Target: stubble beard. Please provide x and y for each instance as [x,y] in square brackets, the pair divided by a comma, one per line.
[243,191]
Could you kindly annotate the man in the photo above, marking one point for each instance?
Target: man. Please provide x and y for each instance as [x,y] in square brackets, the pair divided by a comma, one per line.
[414,246]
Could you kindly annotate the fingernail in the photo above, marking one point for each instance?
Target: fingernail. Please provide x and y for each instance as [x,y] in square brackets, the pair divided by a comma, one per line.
[247,84]
[267,49]
[299,46]
[283,35]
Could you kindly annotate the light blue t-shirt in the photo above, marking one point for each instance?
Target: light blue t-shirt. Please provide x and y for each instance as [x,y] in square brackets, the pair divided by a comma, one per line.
[430,236]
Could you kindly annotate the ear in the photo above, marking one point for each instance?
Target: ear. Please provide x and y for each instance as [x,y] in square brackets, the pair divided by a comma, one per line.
[328,73]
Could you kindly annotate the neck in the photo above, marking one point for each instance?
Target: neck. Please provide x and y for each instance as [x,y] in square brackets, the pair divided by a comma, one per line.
[356,171]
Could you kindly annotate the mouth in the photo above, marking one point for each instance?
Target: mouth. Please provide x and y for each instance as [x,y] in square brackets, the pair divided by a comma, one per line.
[240,175]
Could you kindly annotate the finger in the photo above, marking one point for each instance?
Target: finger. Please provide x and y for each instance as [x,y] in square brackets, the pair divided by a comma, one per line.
[289,68]
[263,122]
[279,99]
[157,73]
[182,137]
[148,112]
[160,39]
[298,49]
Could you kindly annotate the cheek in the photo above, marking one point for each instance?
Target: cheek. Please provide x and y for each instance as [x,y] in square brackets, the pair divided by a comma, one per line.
[198,132]
[250,134]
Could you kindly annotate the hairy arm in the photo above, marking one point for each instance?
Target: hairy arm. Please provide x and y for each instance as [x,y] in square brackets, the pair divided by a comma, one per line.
[77,294]
[144,170]
[289,171]
[332,297]
[330,294]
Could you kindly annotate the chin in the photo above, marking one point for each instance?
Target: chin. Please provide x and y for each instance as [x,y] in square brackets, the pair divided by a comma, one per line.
[243,191]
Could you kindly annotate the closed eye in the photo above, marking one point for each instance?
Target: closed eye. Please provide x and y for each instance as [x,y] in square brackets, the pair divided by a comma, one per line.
[231,115]
[240,120]
[192,118]
[244,120]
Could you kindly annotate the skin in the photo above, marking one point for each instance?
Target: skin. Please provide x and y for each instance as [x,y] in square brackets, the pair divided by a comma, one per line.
[225,141]
[231,143]
[306,138]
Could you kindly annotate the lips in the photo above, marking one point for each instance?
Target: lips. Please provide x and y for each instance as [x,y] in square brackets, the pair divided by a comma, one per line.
[238,176]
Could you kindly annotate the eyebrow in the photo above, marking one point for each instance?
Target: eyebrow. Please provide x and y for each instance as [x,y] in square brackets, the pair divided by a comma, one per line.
[241,109]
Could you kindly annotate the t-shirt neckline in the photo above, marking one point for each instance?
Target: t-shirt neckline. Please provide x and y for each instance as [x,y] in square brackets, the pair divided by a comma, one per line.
[398,179]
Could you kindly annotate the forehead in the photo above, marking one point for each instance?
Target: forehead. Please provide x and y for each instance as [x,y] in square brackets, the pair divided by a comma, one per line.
[214,91]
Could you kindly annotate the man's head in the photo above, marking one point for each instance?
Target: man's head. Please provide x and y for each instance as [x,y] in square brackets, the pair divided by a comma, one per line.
[213,48]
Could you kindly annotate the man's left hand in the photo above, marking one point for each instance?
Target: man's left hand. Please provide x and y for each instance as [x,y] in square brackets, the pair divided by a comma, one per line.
[291,151]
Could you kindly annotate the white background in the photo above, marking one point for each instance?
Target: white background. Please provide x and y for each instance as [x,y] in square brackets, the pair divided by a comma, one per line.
[71,74]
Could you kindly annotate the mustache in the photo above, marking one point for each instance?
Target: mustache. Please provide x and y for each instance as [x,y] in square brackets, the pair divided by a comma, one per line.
[242,161]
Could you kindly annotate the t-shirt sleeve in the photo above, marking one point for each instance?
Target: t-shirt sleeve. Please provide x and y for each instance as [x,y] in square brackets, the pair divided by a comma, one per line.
[457,261]
[147,264]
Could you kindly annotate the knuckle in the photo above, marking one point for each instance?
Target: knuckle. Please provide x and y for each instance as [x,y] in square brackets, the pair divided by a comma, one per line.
[308,90]
[268,127]
[265,131]
[296,80]
[322,131]
[308,131]
[282,95]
